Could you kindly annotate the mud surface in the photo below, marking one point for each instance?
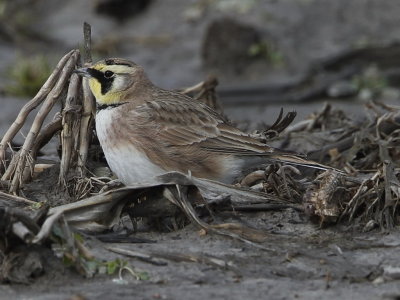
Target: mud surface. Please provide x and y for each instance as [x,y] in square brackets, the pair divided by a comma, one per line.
[303,260]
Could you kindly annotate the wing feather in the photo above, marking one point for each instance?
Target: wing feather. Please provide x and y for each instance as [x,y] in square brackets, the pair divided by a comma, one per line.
[181,123]
[196,124]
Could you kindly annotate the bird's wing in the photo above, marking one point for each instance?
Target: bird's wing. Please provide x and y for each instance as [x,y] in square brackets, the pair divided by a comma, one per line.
[191,123]
[185,122]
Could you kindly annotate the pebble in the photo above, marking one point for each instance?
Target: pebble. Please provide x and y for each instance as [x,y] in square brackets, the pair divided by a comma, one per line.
[342,89]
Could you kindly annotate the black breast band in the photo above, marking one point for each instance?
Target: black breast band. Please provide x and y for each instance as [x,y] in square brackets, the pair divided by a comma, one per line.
[104,106]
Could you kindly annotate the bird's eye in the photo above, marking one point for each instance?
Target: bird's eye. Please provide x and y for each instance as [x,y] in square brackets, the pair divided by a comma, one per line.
[108,74]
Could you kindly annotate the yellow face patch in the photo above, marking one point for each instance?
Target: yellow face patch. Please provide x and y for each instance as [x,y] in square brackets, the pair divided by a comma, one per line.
[108,98]
[111,94]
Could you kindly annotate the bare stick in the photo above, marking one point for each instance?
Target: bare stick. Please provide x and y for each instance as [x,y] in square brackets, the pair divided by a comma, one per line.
[87,35]
[205,92]
[87,123]
[46,134]
[31,105]
[21,231]
[147,257]
[16,198]
[70,125]
[154,257]
[51,98]
[253,177]
[43,138]
[89,107]
[245,235]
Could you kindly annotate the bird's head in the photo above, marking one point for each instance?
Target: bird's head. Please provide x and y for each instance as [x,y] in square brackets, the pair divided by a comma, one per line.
[113,80]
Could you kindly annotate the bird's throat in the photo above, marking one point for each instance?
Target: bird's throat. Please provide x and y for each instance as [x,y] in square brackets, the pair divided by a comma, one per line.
[108,98]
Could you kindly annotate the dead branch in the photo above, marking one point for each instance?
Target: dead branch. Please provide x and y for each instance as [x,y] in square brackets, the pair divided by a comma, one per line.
[238,231]
[147,257]
[320,201]
[21,231]
[386,126]
[252,178]
[87,38]
[47,133]
[24,160]
[205,92]
[264,207]
[31,105]
[70,127]
[89,107]
[17,199]
[392,185]
[153,257]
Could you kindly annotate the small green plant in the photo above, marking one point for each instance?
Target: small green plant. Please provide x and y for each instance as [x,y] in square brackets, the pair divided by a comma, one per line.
[119,266]
[371,79]
[267,51]
[69,246]
[27,76]
[112,266]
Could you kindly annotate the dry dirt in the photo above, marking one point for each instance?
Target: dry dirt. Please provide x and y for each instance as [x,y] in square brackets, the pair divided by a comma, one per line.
[304,261]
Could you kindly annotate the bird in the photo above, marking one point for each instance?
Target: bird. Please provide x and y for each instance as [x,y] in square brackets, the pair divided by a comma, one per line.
[146,131]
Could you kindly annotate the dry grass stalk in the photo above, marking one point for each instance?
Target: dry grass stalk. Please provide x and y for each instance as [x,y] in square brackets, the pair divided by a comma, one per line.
[24,161]
[17,199]
[87,122]
[42,139]
[70,128]
[236,231]
[31,105]
[89,107]
[153,257]
[206,93]
[47,133]
[392,196]
[321,201]
[353,204]
[253,178]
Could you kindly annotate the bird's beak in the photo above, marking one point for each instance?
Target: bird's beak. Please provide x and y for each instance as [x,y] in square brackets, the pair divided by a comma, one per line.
[83,72]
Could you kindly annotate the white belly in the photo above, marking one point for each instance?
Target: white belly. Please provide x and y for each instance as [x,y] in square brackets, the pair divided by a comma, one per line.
[129,165]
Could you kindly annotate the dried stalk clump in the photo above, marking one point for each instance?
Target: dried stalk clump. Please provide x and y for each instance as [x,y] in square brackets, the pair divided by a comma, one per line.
[21,166]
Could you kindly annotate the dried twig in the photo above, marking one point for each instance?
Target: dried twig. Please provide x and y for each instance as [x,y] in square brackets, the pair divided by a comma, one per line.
[321,202]
[70,125]
[205,92]
[89,107]
[352,205]
[237,232]
[22,160]
[16,198]
[153,257]
[392,185]
[47,133]
[252,178]
[147,257]
[264,207]
[31,105]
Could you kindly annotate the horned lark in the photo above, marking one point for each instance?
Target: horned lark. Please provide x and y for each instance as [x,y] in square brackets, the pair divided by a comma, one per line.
[146,131]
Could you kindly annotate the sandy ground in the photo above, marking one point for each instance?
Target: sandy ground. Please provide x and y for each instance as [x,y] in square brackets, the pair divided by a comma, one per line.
[304,261]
